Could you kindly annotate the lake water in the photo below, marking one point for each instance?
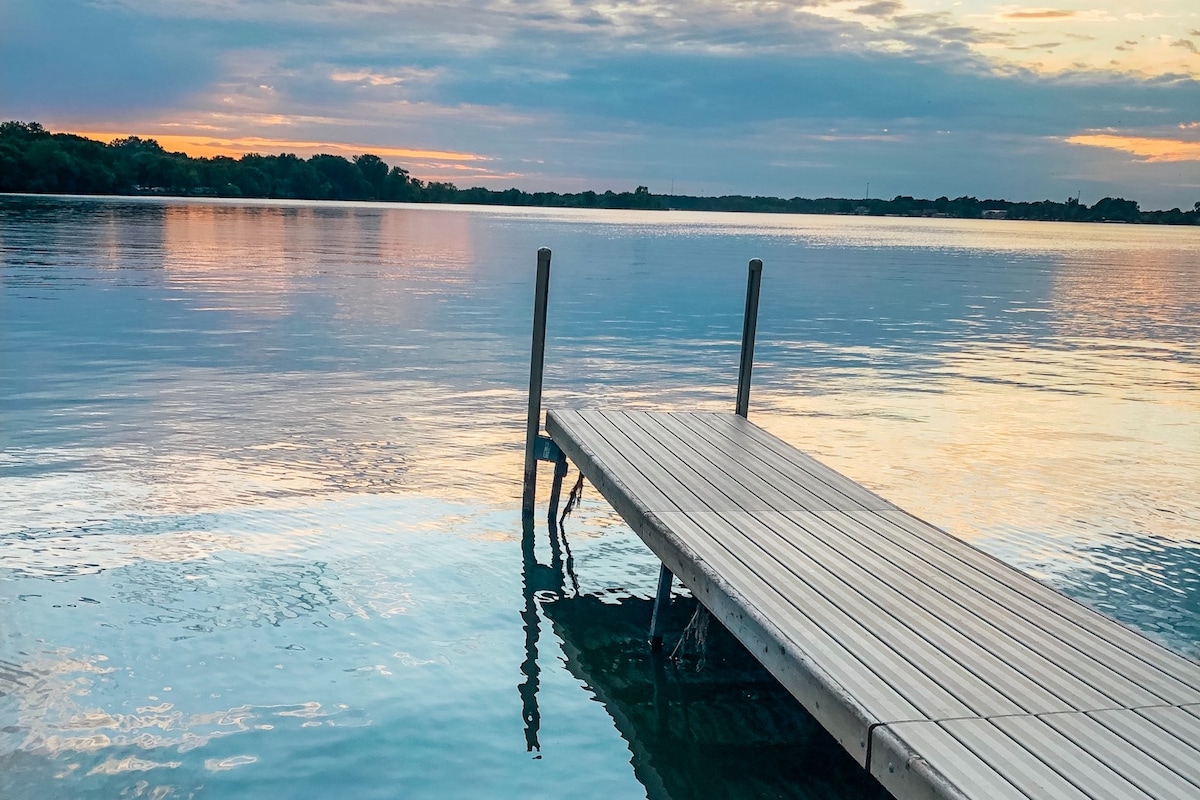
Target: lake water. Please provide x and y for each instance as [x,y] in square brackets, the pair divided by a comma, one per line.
[260,476]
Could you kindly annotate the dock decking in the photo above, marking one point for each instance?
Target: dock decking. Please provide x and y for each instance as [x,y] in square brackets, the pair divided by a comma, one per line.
[945,672]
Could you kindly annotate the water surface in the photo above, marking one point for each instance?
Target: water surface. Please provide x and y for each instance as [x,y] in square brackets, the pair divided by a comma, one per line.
[260,464]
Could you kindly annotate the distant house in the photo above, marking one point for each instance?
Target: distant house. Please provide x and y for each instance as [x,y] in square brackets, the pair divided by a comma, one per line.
[995,213]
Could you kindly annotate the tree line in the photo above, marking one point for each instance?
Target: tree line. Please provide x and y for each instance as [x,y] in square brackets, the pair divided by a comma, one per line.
[34,160]
[1108,209]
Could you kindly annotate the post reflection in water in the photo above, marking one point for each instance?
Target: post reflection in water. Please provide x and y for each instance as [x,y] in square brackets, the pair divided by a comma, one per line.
[541,583]
[702,719]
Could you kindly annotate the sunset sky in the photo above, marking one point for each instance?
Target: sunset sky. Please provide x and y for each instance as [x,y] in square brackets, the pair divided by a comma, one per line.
[810,98]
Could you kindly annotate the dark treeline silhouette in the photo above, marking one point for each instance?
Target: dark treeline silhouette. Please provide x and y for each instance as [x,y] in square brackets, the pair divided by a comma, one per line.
[1109,209]
[35,160]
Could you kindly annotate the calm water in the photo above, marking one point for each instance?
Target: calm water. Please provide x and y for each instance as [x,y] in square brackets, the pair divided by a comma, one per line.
[260,463]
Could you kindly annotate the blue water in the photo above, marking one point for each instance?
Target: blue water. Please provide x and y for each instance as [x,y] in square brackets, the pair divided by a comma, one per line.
[260,468]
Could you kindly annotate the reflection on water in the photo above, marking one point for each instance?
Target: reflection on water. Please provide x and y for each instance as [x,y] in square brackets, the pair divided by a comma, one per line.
[259,467]
[722,727]
[351,642]
[1149,299]
[705,721]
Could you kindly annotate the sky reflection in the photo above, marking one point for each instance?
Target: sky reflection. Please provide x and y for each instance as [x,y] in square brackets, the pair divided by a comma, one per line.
[267,455]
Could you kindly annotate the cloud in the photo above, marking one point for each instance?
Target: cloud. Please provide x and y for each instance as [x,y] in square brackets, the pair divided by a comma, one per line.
[364,76]
[1041,46]
[880,8]
[1186,44]
[575,95]
[92,60]
[1146,148]
[1041,13]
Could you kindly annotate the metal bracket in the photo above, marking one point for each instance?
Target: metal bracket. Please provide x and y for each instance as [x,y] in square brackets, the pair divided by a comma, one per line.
[546,450]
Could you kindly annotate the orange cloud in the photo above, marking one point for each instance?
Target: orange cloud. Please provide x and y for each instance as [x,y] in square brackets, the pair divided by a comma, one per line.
[1043,13]
[199,145]
[1146,148]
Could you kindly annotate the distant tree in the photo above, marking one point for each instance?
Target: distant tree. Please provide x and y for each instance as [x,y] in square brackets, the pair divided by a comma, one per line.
[136,144]
[252,181]
[22,130]
[436,192]
[342,177]
[400,187]
[374,173]
[1116,209]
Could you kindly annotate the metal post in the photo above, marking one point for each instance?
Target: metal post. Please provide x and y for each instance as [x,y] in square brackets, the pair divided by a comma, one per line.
[749,323]
[560,472]
[533,422]
[661,601]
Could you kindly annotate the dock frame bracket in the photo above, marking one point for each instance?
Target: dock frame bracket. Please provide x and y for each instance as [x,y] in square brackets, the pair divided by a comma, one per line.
[544,449]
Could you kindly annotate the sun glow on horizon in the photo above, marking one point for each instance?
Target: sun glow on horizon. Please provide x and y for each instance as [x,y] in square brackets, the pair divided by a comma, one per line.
[1146,148]
[202,145]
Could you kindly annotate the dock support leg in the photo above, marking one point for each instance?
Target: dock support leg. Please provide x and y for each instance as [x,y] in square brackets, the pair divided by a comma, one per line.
[749,324]
[533,422]
[560,472]
[662,601]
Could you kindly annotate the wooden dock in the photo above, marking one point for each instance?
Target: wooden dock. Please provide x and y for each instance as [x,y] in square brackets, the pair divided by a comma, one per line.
[945,672]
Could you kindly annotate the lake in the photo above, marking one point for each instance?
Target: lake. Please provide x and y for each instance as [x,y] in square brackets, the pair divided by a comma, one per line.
[260,470]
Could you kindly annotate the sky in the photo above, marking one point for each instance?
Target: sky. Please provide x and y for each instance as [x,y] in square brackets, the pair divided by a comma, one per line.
[811,98]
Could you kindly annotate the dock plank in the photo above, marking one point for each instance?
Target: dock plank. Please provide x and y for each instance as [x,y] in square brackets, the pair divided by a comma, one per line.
[1078,693]
[991,582]
[811,625]
[1141,730]
[945,671]
[1147,767]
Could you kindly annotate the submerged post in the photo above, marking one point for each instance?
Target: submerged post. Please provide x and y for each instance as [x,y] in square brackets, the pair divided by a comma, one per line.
[560,472]
[749,323]
[662,600]
[533,422]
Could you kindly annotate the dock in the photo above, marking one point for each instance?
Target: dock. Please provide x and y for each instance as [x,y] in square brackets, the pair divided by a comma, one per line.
[943,671]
